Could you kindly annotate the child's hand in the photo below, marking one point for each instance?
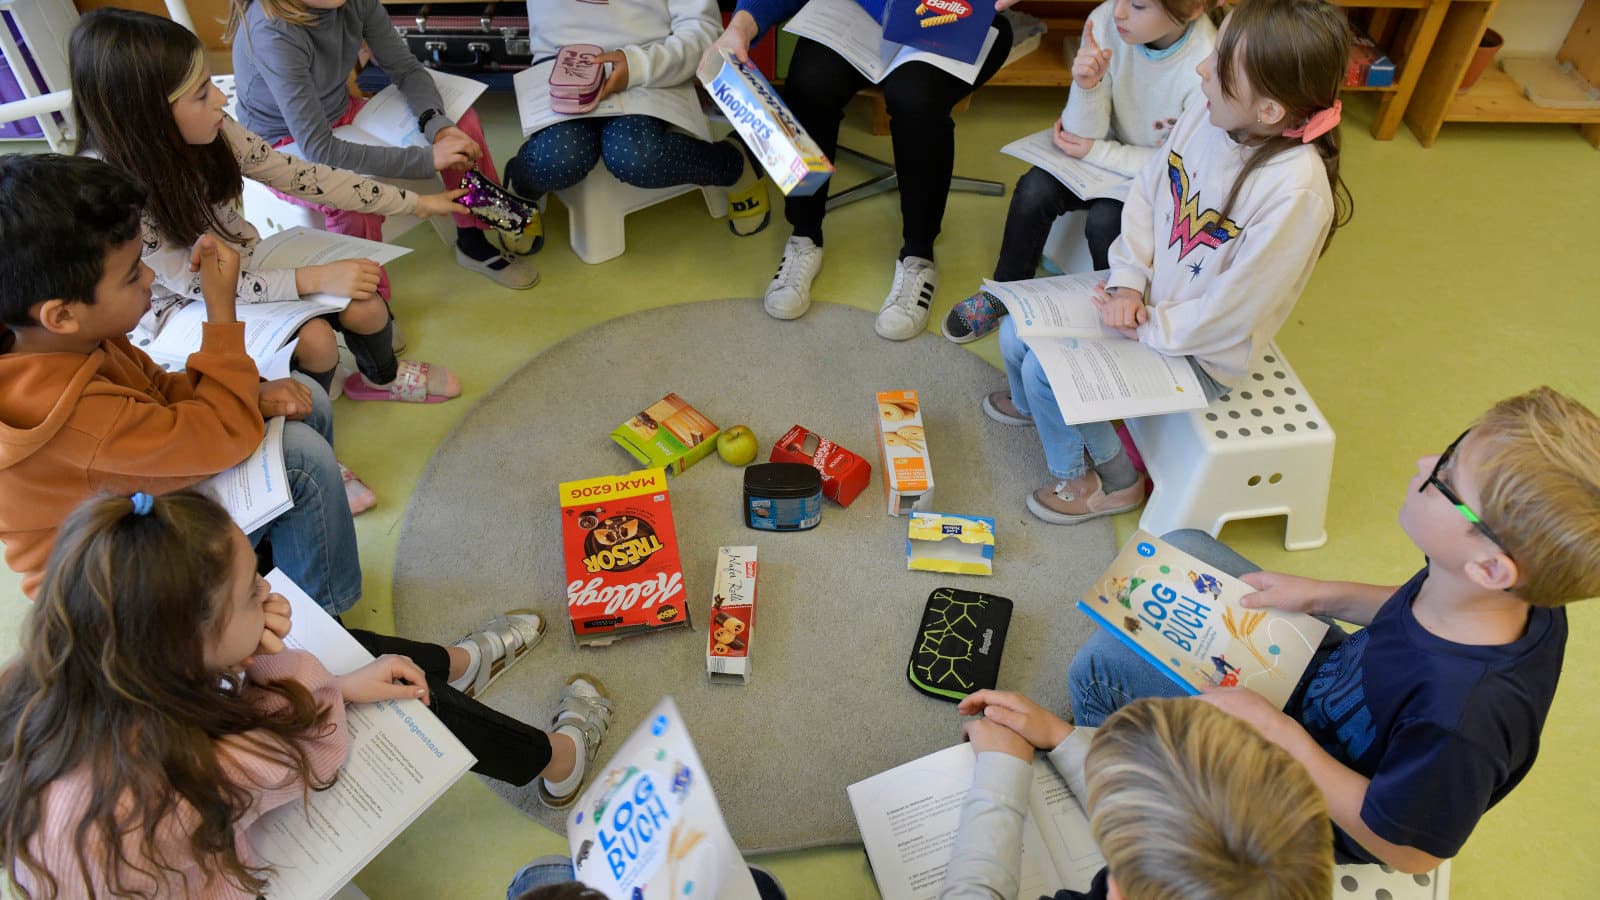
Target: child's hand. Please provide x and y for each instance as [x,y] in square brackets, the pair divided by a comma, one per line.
[354,278]
[284,397]
[1037,725]
[736,38]
[1120,308]
[1089,66]
[1071,144]
[453,151]
[218,265]
[617,81]
[274,629]
[389,677]
[1275,590]
[429,205]
[986,736]
[1254,709]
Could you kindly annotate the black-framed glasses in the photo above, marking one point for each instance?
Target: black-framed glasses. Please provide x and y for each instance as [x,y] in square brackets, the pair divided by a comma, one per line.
[1454,498]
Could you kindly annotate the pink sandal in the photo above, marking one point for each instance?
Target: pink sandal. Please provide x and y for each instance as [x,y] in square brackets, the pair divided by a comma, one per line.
[410,385]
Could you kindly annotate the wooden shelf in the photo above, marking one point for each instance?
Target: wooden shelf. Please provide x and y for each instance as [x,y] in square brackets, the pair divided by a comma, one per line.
[1044,67]
[1498,98]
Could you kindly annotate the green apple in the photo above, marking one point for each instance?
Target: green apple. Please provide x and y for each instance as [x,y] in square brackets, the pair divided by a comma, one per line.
[737,445]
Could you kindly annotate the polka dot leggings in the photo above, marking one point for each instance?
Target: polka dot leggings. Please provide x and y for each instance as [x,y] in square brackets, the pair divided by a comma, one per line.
[640,150]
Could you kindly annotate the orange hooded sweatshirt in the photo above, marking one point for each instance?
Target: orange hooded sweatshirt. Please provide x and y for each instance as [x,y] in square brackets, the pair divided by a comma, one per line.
[72,425]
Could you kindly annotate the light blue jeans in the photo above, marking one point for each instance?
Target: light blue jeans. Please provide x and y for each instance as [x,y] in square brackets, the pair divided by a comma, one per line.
[315,542]
[1064,445]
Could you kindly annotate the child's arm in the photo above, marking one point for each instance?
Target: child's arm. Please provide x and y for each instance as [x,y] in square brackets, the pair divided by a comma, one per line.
[987,861]
[672,60]
[322,184]
[325,747]
[284,57]
[1434,780]
[1278,250]
[170,262]
[1132,254]
[1347,601]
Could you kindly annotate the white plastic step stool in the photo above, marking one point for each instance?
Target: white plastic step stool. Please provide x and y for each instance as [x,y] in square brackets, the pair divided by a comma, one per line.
[597,206]
[1262,450]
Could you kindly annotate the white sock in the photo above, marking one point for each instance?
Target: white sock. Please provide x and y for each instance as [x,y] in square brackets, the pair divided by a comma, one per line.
[580,758]
[474,659]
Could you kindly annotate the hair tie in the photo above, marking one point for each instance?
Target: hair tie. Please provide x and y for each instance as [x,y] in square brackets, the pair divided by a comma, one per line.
[142,503]
[1320,123]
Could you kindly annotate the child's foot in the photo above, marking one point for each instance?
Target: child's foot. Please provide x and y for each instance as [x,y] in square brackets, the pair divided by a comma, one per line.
[495,645]
[414,382]
[1081,499]
[973,318]
[905,310]
[789,293]
[748,208]
[476,254]
[356,492]
[584,715]
[997,405]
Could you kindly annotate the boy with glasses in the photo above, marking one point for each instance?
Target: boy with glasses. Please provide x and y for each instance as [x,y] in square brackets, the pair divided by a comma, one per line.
[1419,722]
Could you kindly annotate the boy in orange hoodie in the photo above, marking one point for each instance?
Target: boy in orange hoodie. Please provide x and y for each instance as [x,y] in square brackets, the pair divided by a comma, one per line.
[82,410]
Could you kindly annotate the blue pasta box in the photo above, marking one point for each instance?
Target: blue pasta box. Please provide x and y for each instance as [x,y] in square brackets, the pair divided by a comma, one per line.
[953,28]
[1381,72]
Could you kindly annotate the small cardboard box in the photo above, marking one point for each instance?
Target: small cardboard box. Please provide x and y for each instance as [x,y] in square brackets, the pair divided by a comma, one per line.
[669,434]
[621,551]
[844,474]
[903,450]
[792,159]
[959,545]
[733,616]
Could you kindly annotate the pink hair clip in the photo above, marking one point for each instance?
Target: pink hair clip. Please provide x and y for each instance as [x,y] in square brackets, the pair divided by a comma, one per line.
[1318,125]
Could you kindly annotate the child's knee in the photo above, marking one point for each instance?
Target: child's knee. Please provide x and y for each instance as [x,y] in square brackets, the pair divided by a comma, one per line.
[632,151]
[1036,190]
[318,350]
[308,455]
[365,316]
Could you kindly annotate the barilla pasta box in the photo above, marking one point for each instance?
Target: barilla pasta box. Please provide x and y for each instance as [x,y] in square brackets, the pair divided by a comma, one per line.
[621,551]
[668,434]
[844,474]
[903,450]
[733,616]
[958,545]
[792,159]
[953,28]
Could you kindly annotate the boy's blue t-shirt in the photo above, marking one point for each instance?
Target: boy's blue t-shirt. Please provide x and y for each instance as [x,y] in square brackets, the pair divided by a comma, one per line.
[1443,730]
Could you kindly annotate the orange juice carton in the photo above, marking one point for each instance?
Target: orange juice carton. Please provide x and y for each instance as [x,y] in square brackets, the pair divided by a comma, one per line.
[792,159]
[903,450]
[668,434]
[844,474]
[733,616]
[621,551]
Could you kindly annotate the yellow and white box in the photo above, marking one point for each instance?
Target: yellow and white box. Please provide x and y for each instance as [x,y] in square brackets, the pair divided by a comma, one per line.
[956,545]
[903,451]
[733,616]
[792,159]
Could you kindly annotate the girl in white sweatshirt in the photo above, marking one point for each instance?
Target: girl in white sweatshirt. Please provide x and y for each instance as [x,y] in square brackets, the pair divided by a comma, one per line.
[1219,236]
[1131,80]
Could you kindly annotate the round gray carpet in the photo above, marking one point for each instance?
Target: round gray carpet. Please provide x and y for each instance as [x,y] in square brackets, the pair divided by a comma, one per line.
[829,703]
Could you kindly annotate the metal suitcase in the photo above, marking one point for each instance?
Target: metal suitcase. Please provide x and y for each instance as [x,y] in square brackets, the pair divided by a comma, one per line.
[465,38]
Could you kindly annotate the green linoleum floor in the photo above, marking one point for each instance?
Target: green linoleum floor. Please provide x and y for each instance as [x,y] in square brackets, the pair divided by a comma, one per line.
[1467,275]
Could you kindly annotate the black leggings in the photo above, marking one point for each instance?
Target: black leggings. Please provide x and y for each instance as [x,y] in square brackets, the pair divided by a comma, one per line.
[1036,202]
[507,750]
[919,97]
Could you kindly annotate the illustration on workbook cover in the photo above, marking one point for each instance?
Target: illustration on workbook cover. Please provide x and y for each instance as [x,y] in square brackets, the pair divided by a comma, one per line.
[1184,618]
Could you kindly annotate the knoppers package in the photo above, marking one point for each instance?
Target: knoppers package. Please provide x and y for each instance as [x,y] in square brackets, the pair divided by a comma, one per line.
[792,159]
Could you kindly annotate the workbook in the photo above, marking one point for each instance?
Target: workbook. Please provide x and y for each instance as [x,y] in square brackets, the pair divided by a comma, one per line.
[1183,617]
[401,759]
[850,31]
[1097,373]
[387,120]
[255,491]
[910,814]
[1087,180]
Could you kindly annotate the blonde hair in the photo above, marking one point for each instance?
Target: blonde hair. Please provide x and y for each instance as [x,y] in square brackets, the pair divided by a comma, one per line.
[293,12]
[1538,468]
[1189,803]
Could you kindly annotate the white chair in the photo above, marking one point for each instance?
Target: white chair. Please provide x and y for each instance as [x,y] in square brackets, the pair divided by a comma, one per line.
[1262,450]
[1066,245]
[597,206]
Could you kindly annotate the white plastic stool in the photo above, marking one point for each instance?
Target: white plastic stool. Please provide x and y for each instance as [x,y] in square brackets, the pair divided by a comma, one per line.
[1066,245]
[597,205]
[1262,450]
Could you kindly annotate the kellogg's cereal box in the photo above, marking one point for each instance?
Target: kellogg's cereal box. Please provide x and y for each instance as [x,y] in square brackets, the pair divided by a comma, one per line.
[669,434]
[792,159]
[733,616]
[623,574]
[903,449]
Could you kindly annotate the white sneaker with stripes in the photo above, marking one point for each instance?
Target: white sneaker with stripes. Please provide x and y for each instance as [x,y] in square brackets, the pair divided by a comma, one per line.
[905,312]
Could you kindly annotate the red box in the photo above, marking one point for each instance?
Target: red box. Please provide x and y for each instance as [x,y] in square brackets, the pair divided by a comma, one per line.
[1363,52]
[844,474]
[621,551]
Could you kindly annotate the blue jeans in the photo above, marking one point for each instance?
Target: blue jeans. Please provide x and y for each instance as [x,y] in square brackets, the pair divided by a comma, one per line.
[315,542]
[547,870]
[640,150]
[1064,445]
